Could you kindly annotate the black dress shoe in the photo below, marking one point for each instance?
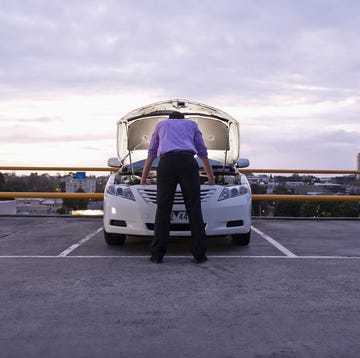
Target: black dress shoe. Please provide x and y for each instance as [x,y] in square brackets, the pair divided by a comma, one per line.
[200,260]
[157,260]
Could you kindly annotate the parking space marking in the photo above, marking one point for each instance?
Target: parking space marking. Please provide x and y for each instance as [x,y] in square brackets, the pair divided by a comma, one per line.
[273,242]
[214,257]
[172,257]
[79,243]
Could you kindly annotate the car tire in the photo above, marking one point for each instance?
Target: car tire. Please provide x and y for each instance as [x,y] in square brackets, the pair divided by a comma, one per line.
[114,239]
[241,239]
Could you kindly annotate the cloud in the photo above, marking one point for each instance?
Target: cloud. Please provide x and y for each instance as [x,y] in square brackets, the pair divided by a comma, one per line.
[199,48]
[31,135]
[31,120]
[282,68]
[316,149]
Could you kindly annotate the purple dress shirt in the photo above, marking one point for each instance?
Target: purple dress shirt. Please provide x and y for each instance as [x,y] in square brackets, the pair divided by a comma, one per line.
[177,134]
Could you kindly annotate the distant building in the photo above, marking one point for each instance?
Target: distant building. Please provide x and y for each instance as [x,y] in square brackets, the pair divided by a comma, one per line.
[358,166]
[258,179]
[36,206]
[79,182]
[292,184]
[331,188]
[28,201]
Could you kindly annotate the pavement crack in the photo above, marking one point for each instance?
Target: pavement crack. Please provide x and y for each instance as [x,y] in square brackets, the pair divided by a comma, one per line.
[217,271]
[2,235]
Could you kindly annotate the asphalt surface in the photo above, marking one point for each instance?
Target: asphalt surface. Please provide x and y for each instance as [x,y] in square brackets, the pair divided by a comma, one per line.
[293,292]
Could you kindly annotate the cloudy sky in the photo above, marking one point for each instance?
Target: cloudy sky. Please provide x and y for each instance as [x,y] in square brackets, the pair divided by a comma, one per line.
[287,70]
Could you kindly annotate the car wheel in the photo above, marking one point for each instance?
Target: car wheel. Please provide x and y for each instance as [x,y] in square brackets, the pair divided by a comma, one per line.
[114,239]
[241,239]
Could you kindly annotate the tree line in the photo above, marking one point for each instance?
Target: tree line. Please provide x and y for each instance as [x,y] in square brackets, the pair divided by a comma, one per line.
[302,208]
[33,182]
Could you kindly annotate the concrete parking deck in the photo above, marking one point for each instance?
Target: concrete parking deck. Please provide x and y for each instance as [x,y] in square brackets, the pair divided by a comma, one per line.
[293,292]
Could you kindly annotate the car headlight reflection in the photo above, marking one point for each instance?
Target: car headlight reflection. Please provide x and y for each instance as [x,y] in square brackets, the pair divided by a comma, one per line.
[123,192]
[233,191]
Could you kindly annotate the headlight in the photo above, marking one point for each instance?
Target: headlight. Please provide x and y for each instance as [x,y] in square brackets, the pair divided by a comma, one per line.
[233,191]
[123,192]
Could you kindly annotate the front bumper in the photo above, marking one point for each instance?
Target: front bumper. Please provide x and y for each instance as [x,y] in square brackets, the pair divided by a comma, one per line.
[226,217]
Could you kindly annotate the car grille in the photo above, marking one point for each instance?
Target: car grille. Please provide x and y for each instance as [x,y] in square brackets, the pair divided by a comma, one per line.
[149,195]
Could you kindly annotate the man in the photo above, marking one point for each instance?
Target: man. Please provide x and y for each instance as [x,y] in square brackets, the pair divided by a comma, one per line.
[177,140]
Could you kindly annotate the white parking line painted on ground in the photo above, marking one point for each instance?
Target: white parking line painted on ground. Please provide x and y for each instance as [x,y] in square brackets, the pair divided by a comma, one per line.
[79,243]
[273,242]
[171,257]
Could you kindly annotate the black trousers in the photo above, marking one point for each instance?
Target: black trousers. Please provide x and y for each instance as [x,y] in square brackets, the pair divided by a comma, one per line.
[178,168]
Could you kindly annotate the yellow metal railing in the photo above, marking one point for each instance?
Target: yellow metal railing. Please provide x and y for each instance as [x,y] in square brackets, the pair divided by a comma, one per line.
[59,169]
[299,171]
[54,195]
[100,196]
[258,197]
[277,197]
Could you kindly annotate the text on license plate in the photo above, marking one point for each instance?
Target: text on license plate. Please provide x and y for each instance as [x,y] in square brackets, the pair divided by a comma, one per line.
[179,217]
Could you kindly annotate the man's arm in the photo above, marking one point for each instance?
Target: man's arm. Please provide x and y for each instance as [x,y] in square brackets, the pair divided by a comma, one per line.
[146,170]
[209,172]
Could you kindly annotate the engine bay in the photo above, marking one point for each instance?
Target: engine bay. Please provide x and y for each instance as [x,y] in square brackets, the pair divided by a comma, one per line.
[224,175]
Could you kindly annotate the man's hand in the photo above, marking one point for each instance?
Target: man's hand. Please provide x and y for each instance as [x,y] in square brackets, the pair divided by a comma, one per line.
[209,182]
[209,172]
[145,172]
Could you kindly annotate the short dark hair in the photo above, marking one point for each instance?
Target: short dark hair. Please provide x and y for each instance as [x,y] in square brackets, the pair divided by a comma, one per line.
[176,115]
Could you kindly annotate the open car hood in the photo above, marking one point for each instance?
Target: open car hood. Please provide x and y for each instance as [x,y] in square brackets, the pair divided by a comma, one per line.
[219,130]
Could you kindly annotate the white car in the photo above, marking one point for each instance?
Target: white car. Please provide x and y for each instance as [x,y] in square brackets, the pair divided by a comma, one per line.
[129,208]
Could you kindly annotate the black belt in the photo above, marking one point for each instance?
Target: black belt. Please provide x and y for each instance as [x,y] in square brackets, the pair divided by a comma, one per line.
[177,152]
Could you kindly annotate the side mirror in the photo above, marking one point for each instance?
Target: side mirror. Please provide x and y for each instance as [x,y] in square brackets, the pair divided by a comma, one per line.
[114,162]
[242,163]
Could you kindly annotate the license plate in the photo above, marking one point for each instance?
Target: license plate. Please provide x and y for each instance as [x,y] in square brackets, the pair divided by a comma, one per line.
[179,217]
